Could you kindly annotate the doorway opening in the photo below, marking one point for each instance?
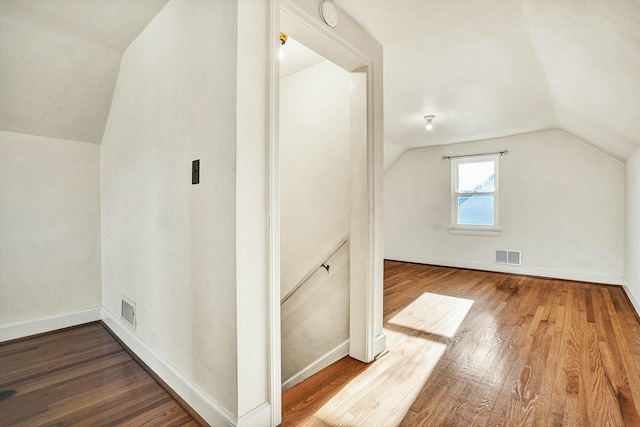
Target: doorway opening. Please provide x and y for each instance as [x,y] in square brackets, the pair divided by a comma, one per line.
[325,198]
[315,210]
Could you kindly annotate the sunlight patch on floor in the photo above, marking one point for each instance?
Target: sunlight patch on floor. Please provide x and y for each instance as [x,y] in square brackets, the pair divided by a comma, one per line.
[434,313]
[399,376]
[394,382]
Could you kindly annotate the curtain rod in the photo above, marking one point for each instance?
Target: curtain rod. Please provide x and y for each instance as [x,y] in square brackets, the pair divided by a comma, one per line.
[502,153]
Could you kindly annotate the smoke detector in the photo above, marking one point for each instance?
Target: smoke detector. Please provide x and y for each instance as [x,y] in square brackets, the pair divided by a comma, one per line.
[329,14]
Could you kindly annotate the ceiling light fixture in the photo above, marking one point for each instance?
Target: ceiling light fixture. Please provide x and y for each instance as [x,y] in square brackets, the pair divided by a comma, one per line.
[429,120]
[283,40]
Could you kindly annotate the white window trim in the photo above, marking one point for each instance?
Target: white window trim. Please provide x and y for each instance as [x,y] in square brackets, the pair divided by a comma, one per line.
[475,230]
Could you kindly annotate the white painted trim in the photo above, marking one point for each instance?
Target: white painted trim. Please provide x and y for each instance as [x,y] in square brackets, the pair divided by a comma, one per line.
[493,232]
[379,345]
[319,364]
[17,330]
[634,301]
[530,271]
[473,230]
[356,53]
[361,267]
[312,22]
[257,417]
[212,412]
[273,168]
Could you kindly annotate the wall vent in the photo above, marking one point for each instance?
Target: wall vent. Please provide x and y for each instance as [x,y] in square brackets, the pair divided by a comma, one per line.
[128,312]
[505,256]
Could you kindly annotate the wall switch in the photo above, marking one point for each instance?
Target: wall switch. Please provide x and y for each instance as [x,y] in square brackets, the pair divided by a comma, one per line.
[195,172]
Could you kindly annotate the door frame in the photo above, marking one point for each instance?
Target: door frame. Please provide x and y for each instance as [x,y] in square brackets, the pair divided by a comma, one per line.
[354,50]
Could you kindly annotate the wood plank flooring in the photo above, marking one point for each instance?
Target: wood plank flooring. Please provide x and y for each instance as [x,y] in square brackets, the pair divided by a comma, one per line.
[80,376]
[471,348]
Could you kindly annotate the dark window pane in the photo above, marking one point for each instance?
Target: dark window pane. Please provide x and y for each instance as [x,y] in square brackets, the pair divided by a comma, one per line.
[475,209]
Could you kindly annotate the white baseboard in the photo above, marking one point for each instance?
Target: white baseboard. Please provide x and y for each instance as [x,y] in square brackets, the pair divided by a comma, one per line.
[380,344]
[319,364]
[529,271]
[258,417]
[634,301]
[17,330]
[212,412]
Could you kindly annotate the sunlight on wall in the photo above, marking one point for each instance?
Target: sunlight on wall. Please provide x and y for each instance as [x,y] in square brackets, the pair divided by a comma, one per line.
[444,314]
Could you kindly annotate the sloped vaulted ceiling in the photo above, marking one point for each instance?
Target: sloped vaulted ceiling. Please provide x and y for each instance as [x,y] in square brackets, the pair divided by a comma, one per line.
[59,62]
[487,69]
[484,68]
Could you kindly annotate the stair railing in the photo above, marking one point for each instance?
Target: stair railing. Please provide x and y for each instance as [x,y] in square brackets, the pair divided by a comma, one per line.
[311,272]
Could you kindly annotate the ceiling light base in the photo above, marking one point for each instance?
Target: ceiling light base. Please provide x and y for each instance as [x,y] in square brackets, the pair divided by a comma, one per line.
[429,118]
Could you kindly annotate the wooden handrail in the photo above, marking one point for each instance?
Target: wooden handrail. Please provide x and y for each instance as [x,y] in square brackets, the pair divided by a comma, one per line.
[313,271]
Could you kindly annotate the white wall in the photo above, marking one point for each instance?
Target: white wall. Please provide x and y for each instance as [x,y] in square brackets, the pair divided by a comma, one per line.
[252,220]
[314,167]
[167,244]
[392,153]
[561,203]
[50,227]
[315,321]
[315,211]
[632,228]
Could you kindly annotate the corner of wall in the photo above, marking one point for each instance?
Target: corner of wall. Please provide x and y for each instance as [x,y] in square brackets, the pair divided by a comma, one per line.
[317,365]
[635,301]
[258,417]
[43,325]
[207,407]
[392,155]
[631,280]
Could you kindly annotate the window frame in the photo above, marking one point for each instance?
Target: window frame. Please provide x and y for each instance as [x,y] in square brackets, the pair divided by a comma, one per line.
[475,229]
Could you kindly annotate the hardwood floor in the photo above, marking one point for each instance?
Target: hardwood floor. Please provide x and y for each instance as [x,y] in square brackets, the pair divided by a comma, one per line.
[470,348]
[80,376]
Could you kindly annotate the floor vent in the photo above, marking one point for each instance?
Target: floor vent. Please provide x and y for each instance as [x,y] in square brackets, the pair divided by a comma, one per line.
[504,256]
[128,312]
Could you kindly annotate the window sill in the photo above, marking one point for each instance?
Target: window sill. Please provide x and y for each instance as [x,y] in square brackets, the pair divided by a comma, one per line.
[471,231]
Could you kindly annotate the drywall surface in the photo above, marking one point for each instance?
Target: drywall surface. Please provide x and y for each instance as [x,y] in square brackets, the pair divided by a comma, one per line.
[576,64]
[392,153]
[167,244]
[314,167]
[315,196]
[60,62]
[316,319]
[632,227]
[49,227]
[561,202]
[252,272]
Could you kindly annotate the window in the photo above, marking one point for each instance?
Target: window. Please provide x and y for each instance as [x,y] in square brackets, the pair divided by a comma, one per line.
[474,195]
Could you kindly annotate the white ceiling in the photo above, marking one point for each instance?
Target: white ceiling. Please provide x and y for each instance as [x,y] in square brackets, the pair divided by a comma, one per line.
[490,68]
[296,57]
[484,68]
[60,60]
